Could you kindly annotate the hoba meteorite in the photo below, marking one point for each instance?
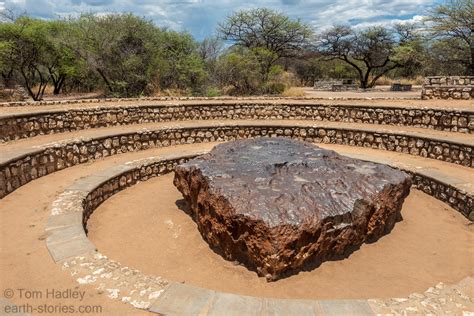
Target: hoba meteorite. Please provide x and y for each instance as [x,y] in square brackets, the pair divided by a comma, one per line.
[276,205]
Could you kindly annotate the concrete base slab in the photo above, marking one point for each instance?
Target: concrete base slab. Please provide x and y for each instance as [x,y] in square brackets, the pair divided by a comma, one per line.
[346,308]
[70,248]
[181,299]
[235,305]
[274,307]
[63,220]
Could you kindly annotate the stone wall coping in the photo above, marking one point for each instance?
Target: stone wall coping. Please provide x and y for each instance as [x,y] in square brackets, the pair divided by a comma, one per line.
[446,86]
[67,241]
[9,156]
[457,77]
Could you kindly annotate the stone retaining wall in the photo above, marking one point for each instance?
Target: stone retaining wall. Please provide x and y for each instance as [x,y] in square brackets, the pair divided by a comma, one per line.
[40,162]
[158,295]
[227,98]
[127,179]
[455,198]
[27,125]
[454,87]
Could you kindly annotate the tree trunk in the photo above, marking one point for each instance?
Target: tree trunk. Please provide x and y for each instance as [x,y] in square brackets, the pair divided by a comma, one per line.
[28,85]
[363,84]
[364,80]
[8,81]
[57,80]
[58,84]
[471,65]
[107,82]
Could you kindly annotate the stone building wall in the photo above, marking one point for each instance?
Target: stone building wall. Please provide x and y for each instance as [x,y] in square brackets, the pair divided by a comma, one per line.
[453,87]
[18,171]
[26,125]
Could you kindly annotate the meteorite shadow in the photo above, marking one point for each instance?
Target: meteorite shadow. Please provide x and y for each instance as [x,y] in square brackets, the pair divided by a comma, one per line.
[308,266]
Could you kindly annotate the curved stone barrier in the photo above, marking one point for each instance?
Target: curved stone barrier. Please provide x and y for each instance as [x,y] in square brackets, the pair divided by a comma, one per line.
[170,98]
[68,245]
[18,168]
[24,125]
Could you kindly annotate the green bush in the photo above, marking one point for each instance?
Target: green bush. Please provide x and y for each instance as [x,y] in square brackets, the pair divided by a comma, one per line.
[274,88]
[213,92]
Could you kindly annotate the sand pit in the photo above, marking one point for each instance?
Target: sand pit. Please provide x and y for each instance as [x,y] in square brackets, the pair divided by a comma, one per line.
[142,227]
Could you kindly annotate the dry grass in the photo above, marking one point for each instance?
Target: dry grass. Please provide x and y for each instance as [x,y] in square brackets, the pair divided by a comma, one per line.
[10,95]
[47,91]
[386,81]
[294,92]
[170,93]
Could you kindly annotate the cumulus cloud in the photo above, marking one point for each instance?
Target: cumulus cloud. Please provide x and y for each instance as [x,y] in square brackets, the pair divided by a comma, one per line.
[200,17]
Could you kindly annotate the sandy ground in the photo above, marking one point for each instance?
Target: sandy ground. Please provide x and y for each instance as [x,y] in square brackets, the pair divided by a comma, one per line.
[383,91]
[378,92]
[142,227]
[133,227]
[24,259]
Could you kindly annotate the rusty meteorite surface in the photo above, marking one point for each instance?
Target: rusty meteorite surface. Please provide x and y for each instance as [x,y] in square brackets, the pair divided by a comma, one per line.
[278,205]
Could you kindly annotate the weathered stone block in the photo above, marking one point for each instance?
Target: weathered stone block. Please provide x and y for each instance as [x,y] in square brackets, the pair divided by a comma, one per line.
[276,205]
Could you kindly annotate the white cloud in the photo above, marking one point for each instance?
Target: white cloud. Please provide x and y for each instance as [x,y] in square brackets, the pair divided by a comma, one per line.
[200,17]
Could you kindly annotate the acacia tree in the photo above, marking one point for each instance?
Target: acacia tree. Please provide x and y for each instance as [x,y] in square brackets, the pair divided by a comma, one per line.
[30,52]
[372,52]
[178,63]
[25,52]
[238,68]
[453,24]
[269,34]
[119,47]
[60,60]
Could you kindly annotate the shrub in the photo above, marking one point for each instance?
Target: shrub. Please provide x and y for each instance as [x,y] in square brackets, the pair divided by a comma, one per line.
[294,92]
[274,88]
[213,92]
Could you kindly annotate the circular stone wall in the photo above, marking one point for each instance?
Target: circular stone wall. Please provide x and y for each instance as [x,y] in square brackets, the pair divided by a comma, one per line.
[166,242]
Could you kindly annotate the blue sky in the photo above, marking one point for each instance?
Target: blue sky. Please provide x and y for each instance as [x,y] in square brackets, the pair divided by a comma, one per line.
[200,17]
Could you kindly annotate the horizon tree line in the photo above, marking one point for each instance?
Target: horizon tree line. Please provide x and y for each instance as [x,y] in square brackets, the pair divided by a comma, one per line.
[125,55]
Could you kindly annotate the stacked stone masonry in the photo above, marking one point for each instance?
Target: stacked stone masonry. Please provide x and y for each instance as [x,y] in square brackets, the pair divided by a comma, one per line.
[454,87]
[152,293]
[226,98]
[20,170]
[126,179]
[28,125]
[442,191]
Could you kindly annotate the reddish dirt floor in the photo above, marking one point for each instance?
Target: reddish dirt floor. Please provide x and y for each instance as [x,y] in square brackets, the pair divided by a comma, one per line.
[143,228]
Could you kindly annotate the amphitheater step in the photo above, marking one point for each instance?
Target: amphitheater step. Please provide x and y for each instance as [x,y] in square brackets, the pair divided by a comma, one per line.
[35,211]
[25,107]
[18,125]
[28,159]
[181,299]
[43,140]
